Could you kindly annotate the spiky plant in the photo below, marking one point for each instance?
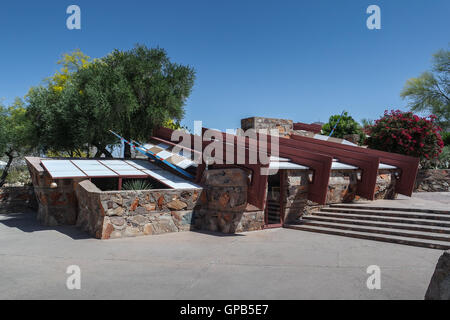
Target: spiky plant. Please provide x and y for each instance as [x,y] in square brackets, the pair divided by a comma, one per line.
[137,185]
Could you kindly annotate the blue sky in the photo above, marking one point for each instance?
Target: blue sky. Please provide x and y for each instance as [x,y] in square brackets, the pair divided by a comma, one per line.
[301,60]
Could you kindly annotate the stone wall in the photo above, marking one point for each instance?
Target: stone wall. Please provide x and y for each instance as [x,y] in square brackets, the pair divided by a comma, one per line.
[118,214]
[342,186]
[296,194]
[385,187]
[221,206]
[263,125]
[56,206]
[433,181]
[224,206]
[17,199]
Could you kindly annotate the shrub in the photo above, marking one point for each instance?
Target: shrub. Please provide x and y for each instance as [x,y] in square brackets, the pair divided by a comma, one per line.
[408,134]
[446,138]
[444,158]
[347,125]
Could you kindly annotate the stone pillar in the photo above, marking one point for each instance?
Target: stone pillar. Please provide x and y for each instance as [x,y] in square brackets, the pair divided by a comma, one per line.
[263,125]
[385,187]
[295,194]
[224,203]
[342,186]
[56,206]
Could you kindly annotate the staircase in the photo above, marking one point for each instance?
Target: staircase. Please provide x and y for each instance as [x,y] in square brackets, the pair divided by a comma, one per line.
[273,212]
[415,227]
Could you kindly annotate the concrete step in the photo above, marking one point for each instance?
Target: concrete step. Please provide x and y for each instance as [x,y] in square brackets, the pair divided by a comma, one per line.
[392,225]
[386,213]
[433,244]
[415,221]
[419,210]
[378,230]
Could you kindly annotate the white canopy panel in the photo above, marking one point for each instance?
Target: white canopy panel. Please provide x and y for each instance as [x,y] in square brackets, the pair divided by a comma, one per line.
[93,168]
[165,177]
[60,169]
[67,169]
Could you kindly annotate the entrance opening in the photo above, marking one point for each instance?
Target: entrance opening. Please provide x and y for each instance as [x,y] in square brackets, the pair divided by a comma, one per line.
[274,204]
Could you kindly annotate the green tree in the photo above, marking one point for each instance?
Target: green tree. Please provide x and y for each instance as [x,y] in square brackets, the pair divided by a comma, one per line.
[15,134]
[52,108]
[130,92]
[430,92]
[346,125]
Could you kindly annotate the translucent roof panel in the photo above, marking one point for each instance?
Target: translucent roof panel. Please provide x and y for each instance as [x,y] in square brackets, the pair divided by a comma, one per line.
[342,166]
[171,179]
[93,168]
[60,169]
[143,164]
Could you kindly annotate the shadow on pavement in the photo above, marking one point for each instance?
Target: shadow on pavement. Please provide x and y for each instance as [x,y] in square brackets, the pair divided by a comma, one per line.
[27,222]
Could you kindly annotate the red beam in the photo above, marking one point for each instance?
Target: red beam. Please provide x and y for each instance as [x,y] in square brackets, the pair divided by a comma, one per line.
[408,165]
[316,128]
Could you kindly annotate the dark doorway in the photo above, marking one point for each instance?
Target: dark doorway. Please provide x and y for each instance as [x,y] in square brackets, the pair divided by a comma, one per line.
[274,201]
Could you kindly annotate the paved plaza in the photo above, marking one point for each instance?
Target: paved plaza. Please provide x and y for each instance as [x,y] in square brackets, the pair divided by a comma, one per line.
[270,264]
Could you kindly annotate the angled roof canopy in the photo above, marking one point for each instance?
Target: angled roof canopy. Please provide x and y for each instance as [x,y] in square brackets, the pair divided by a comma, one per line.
[68,169]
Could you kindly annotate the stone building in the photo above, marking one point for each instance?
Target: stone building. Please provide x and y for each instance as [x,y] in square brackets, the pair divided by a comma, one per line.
[305,170]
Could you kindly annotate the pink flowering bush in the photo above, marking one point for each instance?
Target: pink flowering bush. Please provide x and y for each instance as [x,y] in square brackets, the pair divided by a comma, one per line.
[408,134]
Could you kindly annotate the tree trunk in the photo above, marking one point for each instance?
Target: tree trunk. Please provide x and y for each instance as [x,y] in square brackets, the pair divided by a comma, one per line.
[107,153]
[127,152]
[102,150]
[6,170]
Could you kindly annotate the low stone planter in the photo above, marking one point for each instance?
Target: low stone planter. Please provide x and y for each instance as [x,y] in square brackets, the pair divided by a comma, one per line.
[16,199]
[433,181]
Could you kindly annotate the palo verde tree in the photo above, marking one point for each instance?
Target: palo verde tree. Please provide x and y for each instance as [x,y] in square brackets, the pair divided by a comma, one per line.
[136,90]
[430,92]
[52,109]
[130,92]
[15,134]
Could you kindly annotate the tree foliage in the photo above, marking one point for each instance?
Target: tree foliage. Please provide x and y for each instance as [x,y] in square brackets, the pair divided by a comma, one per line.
[430,92]
[408,134]
[347,125]
[15,134]
[130,92]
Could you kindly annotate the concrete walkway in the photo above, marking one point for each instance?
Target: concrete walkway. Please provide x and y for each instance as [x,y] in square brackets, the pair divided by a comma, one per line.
[270,264]
[419,200]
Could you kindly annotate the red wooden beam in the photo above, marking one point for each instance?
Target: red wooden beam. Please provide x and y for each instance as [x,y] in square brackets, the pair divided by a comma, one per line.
[408,165]
[319,163]
[316,128]
[367,163]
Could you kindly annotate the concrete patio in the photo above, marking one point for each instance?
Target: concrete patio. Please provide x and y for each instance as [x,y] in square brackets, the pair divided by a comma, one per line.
[270,264]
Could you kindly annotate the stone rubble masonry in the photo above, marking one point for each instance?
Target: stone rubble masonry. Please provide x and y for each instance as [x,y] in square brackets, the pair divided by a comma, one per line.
[433,181]
[17,199]
[296,194]
[118,214]
[385,187]
[220,206]
[224,206]
[263,125]
[57,206]
[342,186]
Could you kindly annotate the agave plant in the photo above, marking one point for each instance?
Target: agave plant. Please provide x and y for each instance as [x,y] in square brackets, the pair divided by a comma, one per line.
[137,185]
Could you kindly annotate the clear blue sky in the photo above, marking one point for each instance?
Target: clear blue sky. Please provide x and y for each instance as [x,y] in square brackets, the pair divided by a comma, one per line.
[301,60]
